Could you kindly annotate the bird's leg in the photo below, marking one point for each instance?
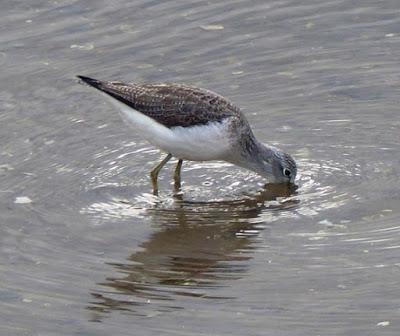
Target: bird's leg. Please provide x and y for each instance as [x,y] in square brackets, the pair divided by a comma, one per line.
[177,175]
[155,171]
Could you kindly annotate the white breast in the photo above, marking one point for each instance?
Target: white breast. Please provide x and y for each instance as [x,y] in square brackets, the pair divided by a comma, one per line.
[196,143]
[201,143]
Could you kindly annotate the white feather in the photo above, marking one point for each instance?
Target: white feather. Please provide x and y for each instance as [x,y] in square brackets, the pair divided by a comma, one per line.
[195,143]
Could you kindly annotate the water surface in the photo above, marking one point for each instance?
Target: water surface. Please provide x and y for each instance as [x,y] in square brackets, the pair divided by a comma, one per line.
[87,250]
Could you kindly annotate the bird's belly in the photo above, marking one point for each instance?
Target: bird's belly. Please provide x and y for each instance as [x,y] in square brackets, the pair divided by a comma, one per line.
[197,143]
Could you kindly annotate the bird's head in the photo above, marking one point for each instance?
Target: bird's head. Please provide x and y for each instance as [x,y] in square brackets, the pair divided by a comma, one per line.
[276,165]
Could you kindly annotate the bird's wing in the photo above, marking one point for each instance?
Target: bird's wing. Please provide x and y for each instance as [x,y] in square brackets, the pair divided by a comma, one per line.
[169,104]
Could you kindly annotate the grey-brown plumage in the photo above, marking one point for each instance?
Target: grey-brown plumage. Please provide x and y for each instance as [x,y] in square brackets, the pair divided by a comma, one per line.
[196,124]
[170,104]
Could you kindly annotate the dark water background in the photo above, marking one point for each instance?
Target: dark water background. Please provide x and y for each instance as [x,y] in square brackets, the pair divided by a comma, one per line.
[85,248]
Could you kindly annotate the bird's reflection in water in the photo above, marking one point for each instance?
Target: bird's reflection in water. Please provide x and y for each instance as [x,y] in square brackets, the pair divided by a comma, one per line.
[197,248]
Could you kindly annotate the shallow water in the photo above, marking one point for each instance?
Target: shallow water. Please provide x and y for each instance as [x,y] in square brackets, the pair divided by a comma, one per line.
[87,250]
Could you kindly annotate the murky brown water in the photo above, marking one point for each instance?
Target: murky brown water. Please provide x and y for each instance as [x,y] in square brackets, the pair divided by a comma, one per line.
[85,248]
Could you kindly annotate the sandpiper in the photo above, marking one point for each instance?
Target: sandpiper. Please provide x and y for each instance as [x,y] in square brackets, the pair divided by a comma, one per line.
[195,124]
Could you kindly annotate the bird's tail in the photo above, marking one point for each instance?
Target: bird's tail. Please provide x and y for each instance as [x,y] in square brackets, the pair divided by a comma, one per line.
[91,81]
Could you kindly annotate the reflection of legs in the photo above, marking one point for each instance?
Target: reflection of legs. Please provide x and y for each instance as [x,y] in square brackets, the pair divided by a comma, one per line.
[155,171]
[177,175]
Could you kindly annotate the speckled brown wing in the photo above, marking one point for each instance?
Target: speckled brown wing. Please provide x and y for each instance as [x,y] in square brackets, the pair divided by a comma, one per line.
[169,104]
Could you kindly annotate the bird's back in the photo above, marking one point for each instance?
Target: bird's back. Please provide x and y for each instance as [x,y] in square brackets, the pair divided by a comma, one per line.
[170,104]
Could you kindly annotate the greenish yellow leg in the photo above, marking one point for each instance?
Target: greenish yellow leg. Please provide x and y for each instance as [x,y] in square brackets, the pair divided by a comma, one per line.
[177,175]
[155,171]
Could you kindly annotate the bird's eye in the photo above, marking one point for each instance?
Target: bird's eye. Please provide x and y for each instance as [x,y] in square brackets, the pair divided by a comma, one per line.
[286,172]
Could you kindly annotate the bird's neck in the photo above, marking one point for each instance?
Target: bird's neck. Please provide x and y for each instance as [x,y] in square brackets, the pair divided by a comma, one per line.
[252,154]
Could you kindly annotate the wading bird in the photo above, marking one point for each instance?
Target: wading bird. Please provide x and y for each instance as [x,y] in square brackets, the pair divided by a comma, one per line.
[195,124]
